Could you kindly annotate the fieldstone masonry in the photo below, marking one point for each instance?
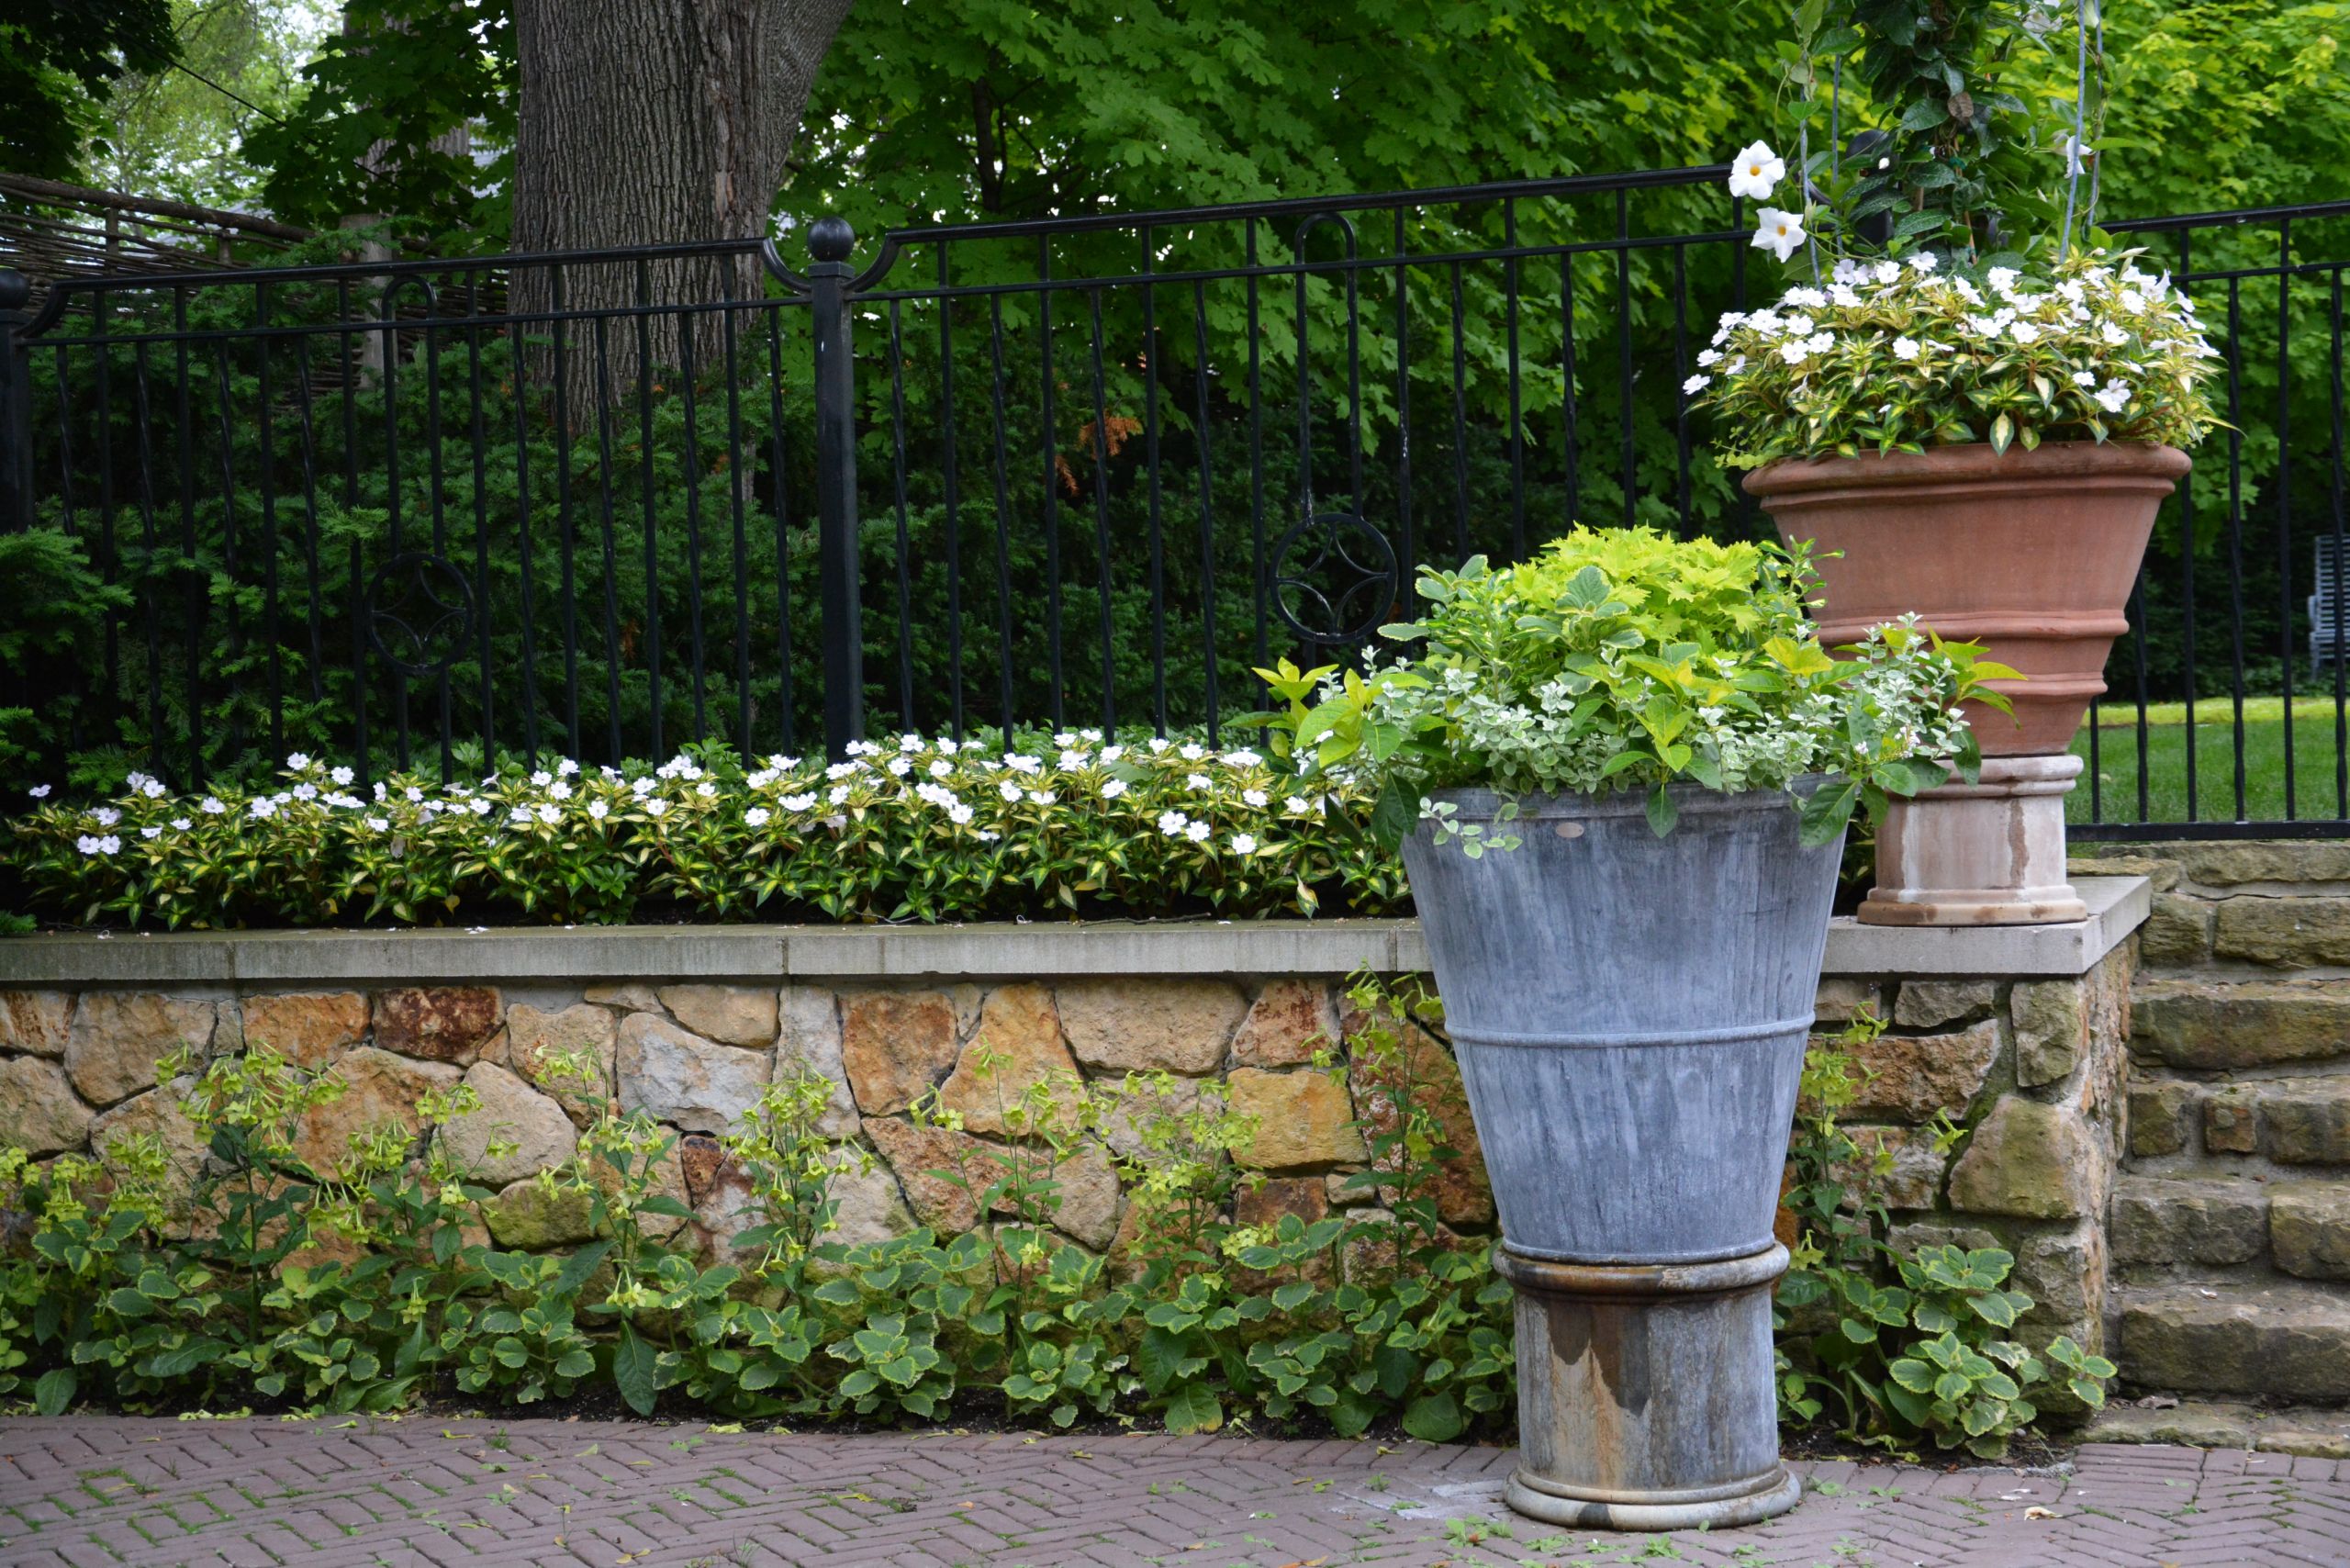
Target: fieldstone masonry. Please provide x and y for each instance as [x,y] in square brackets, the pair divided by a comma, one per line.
[1998,1103]
[2231,1218]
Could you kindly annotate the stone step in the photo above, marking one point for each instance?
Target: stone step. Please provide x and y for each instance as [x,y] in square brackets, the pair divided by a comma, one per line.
[2289,1341]
[2197,1025]
[2317,1431]
[2195,1222]
[2192,1221]
[2294,1121]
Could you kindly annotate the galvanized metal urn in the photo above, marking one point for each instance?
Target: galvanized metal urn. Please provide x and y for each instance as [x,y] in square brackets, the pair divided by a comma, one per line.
[1630,1014]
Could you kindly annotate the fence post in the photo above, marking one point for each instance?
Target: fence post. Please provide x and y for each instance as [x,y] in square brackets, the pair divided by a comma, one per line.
[15,404]
[828,241]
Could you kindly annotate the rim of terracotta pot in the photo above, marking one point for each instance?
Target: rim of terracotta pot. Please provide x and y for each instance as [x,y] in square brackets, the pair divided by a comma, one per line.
[1972,465]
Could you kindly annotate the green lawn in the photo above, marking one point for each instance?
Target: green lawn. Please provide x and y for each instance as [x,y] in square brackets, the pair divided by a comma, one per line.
[2314,755]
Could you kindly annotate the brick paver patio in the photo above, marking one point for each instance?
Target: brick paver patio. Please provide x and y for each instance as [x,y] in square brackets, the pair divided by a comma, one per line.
[423,1490]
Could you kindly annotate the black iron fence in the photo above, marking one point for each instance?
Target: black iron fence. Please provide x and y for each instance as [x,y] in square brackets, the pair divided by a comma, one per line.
[1086,470]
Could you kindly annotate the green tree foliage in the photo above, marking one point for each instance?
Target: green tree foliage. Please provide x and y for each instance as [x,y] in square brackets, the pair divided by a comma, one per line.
[59,60]
[371,133]
[181,132]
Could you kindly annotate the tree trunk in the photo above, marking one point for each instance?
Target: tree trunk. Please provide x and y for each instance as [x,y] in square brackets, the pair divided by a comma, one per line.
[653,122]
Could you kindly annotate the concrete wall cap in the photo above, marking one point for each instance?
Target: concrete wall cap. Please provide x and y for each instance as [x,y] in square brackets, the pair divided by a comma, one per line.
[290,959]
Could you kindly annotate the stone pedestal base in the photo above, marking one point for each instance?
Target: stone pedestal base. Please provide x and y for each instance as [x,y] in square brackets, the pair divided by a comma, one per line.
[1991,853]
[1645,1399]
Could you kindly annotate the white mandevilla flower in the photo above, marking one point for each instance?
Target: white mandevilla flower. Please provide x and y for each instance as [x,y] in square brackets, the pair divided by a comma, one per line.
[1755,172]
[1780,233]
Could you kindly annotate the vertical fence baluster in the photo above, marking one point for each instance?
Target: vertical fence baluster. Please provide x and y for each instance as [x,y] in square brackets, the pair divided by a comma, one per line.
[1207,499]
[689,453]
[1151,467]
[645,480]
[905,549]
[1101,517]
[828,241]
[1003,521]
[738,502]
[1051,439]
[2283,481]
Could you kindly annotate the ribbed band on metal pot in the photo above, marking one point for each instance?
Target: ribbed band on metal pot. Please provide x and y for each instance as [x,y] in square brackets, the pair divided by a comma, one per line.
[1630,1012]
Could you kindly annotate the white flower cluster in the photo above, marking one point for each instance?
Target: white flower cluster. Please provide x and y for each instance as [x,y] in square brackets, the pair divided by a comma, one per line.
[963,787]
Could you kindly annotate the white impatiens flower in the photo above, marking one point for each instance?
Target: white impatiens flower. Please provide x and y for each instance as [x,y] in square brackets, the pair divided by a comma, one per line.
[1172,824]
[301,791]
[2076,152]
[798,802]
[1254,797]
[39,791]
[838,793]
[549,812]
[559,791]
[1112,787]
[656,806]
[298,761]
[520,816]
[757,816]
[1009,791]
[1192,753]
[706,789]
[940,767]
[342,776]
[1904,348]
[566,768]
[181,825]
[1696,384]
[105,816]
[1886,272]
[1923,262]
[153,789]
[959,814]
[1244,844]
[2023,331]
[2085,378]
[1709,357]
[1755,172]
[150,832]
[898,766]
[262,809]
[542,778]
[598,809]
[1794,350]
[2113,396]
[1777,232]
[377,824]
[1199,782]
[2002,281]
[1042,797]
[1198,832]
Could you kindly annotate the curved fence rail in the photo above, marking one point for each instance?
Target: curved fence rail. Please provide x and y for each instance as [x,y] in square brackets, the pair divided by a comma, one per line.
[1080,471]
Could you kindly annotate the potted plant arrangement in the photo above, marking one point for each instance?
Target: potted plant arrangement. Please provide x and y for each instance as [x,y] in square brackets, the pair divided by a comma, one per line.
[1621,772]
[1968,408]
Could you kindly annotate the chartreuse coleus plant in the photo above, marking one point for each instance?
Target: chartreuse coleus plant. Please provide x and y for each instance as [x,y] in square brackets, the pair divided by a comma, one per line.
[1618,659]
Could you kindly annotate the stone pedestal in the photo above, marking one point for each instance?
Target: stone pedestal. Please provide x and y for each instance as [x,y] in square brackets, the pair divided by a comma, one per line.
[1990,853]
[1645,1398]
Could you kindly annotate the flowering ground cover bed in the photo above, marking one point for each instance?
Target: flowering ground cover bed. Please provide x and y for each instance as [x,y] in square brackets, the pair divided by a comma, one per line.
[911,828]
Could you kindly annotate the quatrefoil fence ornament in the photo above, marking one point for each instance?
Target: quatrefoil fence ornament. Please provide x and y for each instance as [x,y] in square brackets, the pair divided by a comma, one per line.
[420,610]
[1335,577]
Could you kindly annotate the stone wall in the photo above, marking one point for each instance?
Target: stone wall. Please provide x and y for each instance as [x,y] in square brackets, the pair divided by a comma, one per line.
[2000,1104]
[79,1071]
[2011,1041]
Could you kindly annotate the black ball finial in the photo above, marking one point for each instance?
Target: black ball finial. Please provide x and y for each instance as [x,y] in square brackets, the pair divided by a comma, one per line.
[15,288]
[830,239]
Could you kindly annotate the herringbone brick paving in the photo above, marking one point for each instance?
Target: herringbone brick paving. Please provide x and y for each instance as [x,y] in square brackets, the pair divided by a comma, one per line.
[488,1494]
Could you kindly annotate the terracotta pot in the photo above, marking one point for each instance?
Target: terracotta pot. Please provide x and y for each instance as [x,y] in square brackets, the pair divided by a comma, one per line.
[2032,553]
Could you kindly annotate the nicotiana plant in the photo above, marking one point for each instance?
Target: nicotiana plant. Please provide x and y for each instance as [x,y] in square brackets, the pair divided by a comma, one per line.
[1622,659]
[910,828]
[1943,293]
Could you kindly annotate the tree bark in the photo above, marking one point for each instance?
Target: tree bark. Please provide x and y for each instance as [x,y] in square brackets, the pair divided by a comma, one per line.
[654,122]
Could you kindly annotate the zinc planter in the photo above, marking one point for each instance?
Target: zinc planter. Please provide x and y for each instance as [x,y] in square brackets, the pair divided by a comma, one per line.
[1630,1014]
[2031,553]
